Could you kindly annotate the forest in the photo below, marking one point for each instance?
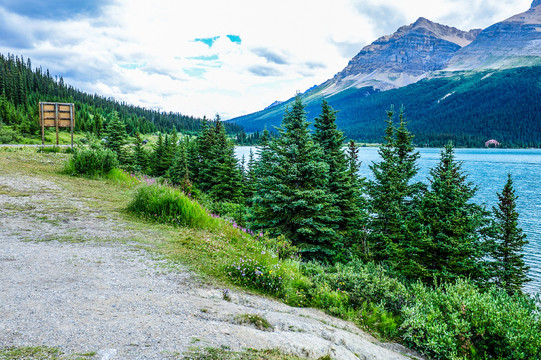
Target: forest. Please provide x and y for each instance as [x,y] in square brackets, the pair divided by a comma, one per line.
[422,264]
[22,88]
[467,108]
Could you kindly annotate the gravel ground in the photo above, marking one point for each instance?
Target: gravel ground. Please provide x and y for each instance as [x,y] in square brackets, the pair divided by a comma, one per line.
[71,278]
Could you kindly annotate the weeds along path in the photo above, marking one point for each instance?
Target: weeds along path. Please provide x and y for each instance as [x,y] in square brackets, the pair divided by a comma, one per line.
[73,275]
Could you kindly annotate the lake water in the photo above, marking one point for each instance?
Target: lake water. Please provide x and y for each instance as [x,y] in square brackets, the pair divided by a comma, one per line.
[488,169]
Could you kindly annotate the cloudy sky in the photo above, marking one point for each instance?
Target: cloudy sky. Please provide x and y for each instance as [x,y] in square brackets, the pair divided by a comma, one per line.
[207,57]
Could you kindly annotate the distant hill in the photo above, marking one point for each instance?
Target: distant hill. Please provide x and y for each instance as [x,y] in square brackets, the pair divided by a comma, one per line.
[21,89]
[465,86]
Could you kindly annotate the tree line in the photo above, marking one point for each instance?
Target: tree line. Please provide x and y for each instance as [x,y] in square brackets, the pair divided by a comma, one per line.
[22,88]
[305,187]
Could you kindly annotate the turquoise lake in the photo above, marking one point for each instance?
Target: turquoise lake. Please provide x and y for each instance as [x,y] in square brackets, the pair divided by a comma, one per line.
[488,169]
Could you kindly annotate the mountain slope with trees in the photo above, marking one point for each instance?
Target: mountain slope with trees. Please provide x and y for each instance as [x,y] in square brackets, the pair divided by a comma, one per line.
[22,88]
[467,108]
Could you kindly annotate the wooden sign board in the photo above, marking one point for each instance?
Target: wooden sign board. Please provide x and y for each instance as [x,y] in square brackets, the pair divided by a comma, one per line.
[52,114]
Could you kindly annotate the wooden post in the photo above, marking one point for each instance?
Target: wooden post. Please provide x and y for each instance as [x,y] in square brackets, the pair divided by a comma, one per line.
[42,121]
[72,123]
[56,120]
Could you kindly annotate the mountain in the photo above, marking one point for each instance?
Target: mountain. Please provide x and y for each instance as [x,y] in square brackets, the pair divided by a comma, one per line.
[402,58]
[464,86]
[510,43]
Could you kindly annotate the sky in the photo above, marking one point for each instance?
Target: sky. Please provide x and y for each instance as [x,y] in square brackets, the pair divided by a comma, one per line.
[209,57]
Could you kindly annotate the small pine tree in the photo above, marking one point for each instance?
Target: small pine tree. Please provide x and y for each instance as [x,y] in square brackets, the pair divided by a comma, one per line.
[223,167]
[179,173]
[158,168]
[391,193]
[116,136]
[140,156]
[510,270]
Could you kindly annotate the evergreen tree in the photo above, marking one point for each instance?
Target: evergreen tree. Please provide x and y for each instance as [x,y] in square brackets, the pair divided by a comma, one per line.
[206,142]
[140,157]
[179,172]
[116,136]
[342,186]
[356,213]
[250,177]
[223,167]
[449,241]
[291,197]
[510,270]
[158,168]
[391,193]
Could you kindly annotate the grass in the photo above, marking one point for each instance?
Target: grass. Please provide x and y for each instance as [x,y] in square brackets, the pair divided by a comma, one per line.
[40,353]
[256,320]
[248,354]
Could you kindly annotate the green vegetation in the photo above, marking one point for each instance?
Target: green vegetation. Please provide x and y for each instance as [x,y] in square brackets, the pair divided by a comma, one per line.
[40,353]
[248,354]
[256,320]
[419,264]
[454,320]
[509,242]
[467,108]
[21,89]
[164,204]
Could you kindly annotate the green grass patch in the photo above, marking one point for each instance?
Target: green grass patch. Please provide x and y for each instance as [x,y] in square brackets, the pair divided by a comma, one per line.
[30,352]
[248,354]
[169,205]
[256,320]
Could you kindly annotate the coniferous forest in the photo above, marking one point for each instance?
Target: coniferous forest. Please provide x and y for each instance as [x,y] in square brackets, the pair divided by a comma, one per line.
[466,108]
[22,88]
[418,263]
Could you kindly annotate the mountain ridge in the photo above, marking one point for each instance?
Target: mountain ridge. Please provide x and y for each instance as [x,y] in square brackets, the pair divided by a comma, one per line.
[429,82]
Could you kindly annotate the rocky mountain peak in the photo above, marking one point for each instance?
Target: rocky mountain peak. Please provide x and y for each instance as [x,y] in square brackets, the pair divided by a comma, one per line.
[403,57]
[513,42]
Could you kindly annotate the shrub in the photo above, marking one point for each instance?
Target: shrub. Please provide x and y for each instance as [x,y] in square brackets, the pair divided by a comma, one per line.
[257,274]
[362,282]
[231,211]
[123,178]
[91,162]
[458,321]
[168,205]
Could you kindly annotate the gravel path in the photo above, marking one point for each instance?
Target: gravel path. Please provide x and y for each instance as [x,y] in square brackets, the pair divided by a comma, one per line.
[71,278]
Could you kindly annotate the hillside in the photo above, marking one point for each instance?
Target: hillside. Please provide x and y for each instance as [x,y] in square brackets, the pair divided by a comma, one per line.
[466,107]
[22,88]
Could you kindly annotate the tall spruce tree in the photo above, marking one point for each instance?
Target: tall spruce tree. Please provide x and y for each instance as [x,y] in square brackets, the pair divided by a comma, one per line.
[344,210]
[292,199]
[449,242]
[510,269]
[392,193]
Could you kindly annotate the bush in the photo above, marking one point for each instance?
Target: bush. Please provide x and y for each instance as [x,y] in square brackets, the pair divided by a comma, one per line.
[257,274]
[168,205]
[8,136]
[91,162]
[457,321]
[362,282]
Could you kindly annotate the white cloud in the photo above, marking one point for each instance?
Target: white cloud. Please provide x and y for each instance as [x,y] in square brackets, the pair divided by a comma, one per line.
[144,52]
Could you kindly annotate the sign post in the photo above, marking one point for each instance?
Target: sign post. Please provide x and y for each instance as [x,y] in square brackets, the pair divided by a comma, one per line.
[57,115]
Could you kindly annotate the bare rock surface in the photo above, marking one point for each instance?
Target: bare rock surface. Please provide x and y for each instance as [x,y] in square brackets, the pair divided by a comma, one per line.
[71,277]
